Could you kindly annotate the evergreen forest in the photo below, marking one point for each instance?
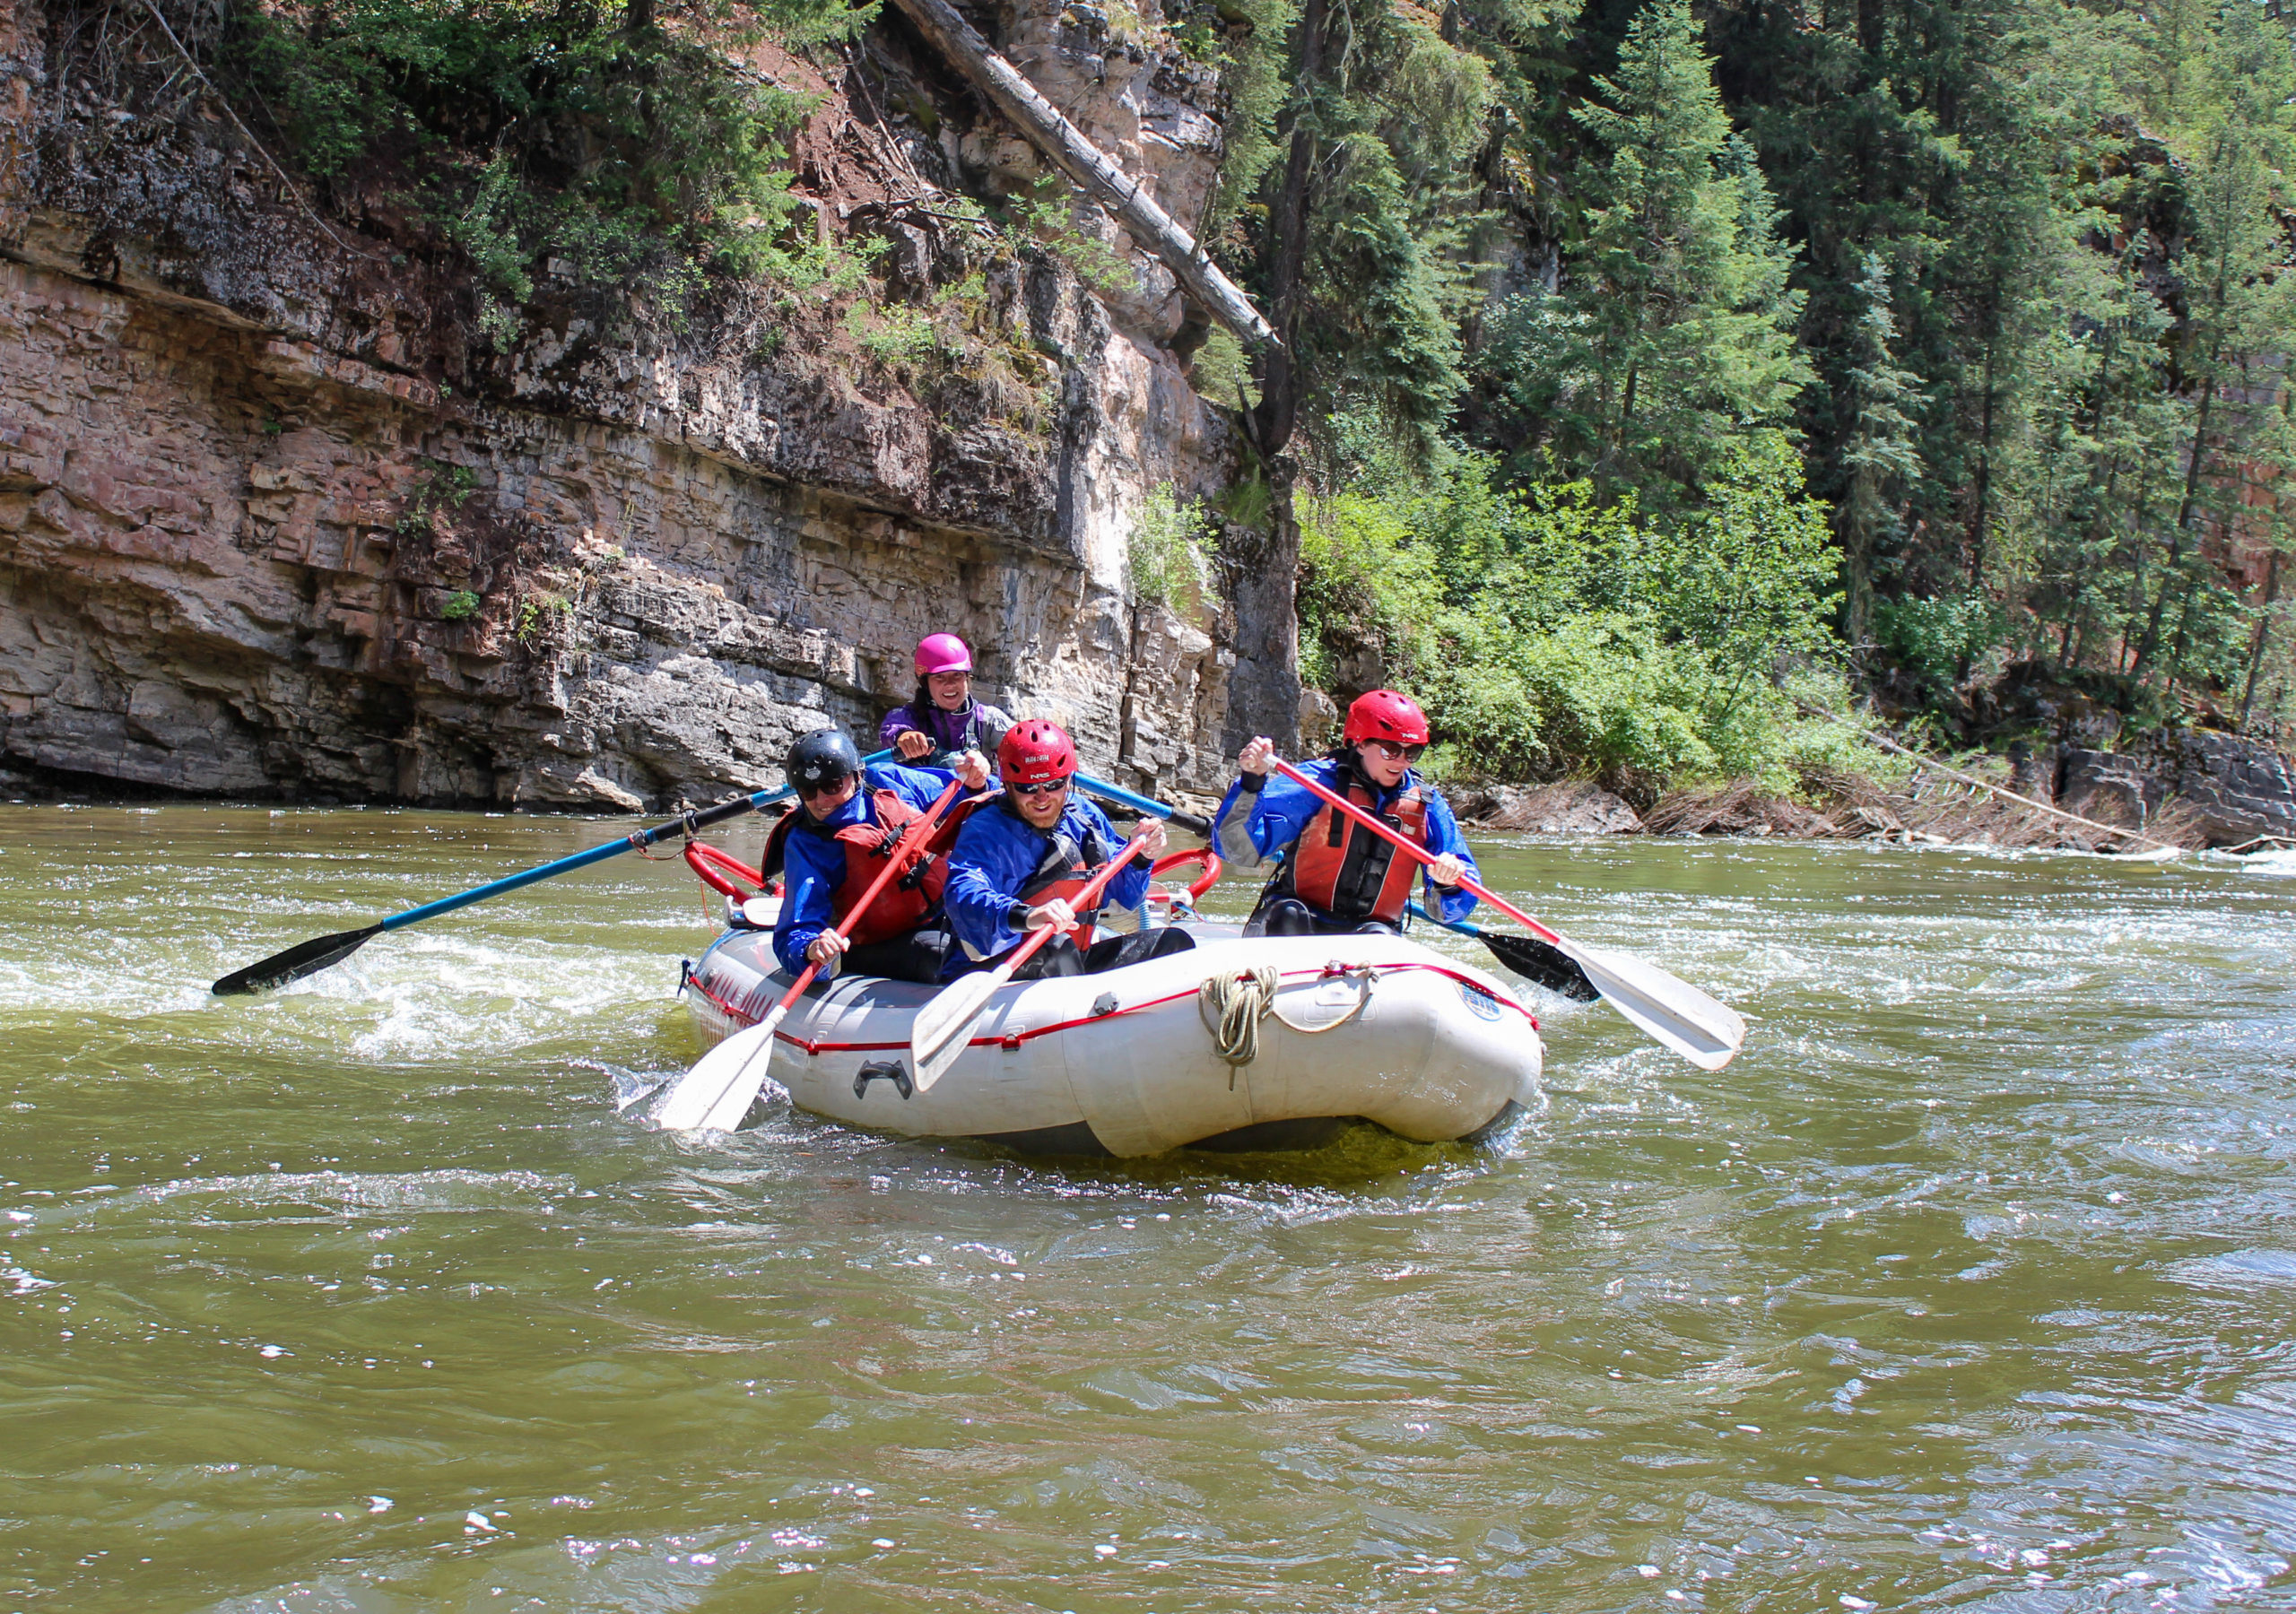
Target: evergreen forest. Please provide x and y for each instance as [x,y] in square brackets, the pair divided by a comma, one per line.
[1667,367]
[1657,375]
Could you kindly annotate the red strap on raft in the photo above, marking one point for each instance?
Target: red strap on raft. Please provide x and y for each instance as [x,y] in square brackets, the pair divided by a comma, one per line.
[750,1013]
[722,872]
[1177,860]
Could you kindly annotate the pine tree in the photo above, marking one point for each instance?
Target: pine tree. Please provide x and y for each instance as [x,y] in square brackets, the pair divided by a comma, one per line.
[1360,252]
[1672,330]
[2238,140]
[1879,455]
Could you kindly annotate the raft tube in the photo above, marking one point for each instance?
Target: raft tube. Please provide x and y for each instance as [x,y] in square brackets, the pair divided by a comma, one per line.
[1127,1062]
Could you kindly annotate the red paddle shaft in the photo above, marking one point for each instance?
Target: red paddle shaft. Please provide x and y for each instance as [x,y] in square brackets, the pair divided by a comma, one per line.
[1086,898]
[1419,852]
[910,839]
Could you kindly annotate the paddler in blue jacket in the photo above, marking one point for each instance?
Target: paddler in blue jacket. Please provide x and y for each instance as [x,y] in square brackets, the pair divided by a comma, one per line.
[1336,875]
[1023,855]
[834,847]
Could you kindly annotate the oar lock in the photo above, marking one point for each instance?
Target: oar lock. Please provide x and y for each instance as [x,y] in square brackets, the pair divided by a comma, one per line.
[684,824]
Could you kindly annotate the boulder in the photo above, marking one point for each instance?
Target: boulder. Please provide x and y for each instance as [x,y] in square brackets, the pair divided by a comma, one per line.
[1572,808]
[2240,789]
[2108,786]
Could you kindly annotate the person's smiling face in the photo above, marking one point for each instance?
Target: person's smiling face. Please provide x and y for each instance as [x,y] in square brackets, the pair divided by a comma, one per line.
[1385,762]
[1041,810]
[949,690]
[822,800]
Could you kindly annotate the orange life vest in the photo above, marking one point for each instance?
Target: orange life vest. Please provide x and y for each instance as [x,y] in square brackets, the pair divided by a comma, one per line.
[1342,868]
[914,893]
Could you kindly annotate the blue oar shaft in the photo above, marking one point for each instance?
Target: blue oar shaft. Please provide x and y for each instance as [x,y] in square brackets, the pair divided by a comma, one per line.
[583,860]
[1418,911]
[1117,792]
[1140,803]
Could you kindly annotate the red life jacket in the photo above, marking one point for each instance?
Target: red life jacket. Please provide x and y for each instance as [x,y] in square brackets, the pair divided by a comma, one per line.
[1065,869]
[1342,868]
[914,893]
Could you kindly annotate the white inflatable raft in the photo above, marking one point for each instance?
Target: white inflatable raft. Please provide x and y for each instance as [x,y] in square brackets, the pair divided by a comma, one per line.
[1128,1062]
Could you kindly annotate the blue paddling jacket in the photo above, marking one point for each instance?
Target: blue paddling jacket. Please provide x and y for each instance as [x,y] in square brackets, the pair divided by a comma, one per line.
[1001,868]
[1329,861]
[814,860]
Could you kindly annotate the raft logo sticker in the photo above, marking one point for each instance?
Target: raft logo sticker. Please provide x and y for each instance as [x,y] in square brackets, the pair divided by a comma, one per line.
[1479,1002]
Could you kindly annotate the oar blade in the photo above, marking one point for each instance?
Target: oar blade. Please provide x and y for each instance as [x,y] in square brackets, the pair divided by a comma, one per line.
[1538,961]
[729,1074]
[1705,1031]
[943,1027]
[306,958]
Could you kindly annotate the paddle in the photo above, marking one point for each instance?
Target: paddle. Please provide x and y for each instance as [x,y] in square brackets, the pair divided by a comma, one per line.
[943,1027]
[1192,823]
[1707,1033]
[309,958]
[719,1090]
[1526,955]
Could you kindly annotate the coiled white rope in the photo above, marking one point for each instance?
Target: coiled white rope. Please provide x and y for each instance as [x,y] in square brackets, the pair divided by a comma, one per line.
[1234,1003]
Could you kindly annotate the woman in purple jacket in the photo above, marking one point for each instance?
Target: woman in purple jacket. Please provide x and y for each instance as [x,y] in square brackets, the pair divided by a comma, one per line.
[943,721]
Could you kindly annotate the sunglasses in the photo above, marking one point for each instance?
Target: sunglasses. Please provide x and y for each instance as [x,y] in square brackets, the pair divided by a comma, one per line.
[1049,787]
[1394,752]
[809,793]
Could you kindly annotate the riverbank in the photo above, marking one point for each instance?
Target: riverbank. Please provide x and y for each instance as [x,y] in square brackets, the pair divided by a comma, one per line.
[2192,788]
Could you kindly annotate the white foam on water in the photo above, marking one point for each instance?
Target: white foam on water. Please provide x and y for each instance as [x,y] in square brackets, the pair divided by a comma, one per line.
[2247,1270]
[452,1191]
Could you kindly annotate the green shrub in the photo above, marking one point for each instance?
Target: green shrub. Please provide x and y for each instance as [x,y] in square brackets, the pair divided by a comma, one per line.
[896,333]
[459,606]
[1047,216]
[534,132]
[1550,634]
[1168,558]
[1363,571]
[1941,641]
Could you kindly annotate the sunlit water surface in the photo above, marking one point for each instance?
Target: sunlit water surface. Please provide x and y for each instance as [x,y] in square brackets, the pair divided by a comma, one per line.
[1969,1285]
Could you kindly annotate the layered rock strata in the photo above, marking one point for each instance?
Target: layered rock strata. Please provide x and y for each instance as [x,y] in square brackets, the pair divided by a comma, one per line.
[275,523]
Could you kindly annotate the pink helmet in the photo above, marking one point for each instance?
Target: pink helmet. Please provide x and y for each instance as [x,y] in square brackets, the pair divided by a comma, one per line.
[942,653]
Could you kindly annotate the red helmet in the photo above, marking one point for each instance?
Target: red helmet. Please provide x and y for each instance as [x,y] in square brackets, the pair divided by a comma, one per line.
[942,653]
[1384,715]
[1034,751]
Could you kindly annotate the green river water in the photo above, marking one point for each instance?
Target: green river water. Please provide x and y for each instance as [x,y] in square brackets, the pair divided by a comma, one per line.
[1969,1285]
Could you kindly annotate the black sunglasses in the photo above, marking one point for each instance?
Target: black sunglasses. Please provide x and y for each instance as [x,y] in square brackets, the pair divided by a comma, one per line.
[1048,788]
[1394,752]
[830,788]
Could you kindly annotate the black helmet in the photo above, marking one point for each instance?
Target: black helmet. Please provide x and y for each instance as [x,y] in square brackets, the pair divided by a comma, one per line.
[821,758]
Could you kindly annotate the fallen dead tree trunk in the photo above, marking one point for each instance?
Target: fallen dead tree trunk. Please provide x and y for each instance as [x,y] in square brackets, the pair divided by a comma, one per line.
[1051,133]
[1933,766]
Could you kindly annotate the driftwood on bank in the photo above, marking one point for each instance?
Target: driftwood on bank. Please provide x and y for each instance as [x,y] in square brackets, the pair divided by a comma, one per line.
[1051,133]
[1932,765]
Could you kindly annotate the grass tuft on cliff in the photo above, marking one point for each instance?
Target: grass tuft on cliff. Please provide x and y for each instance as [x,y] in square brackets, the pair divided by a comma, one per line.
[603,144]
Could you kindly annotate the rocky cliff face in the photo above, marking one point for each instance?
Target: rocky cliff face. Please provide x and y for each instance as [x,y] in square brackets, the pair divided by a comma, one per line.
[277,522]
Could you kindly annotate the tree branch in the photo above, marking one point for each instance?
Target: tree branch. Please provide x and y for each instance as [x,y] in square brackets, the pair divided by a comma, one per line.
[1064,144]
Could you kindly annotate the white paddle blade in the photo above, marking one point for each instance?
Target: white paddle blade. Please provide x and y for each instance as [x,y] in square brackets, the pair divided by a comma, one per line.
[718,1091]
[1706,1032]
[943,1027]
